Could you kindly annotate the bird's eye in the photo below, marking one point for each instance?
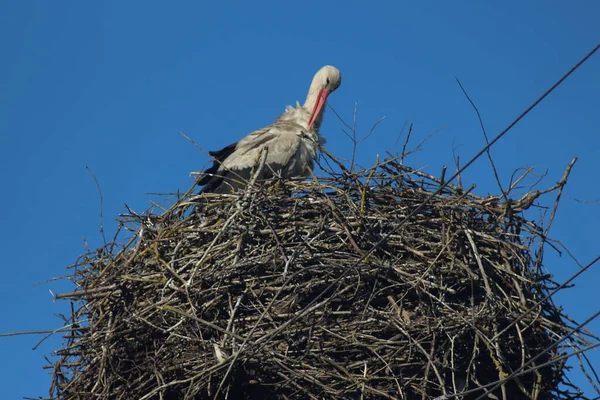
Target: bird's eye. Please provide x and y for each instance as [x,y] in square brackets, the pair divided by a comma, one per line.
[328,81]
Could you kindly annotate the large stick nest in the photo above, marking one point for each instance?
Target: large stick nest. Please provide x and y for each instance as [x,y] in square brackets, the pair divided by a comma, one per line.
[322,290]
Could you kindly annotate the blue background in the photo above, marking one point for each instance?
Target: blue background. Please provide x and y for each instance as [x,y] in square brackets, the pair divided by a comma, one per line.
[111,84]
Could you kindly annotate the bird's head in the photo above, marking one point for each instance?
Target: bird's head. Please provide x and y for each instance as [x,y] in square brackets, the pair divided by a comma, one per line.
[326,80]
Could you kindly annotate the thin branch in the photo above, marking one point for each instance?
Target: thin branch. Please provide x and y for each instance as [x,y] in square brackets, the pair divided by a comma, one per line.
[101,204]
[489,154]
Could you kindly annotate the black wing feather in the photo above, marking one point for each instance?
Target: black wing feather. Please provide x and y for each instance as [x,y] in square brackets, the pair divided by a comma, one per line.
[228,181]
[210,179]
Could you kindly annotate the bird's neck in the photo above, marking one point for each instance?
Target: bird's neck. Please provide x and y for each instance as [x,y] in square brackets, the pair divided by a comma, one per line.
[309,106]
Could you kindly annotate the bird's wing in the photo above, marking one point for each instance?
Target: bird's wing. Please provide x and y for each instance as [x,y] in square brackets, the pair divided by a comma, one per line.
[218,157]
[234,164]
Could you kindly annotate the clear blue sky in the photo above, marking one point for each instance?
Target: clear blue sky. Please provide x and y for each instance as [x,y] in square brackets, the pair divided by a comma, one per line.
[111,84]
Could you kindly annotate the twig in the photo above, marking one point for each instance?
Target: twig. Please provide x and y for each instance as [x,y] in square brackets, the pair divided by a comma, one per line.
[489,154]
[101,204]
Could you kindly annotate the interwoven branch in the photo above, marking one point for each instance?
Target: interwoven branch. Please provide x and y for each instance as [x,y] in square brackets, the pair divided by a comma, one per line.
[272,294]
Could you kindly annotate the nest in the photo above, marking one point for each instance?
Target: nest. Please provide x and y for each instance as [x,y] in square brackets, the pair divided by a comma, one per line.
[364,285]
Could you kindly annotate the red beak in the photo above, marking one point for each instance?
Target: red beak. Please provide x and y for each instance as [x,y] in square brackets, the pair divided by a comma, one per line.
[321,99]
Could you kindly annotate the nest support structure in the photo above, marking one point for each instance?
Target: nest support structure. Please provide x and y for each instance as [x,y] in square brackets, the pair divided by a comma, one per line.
[364,285]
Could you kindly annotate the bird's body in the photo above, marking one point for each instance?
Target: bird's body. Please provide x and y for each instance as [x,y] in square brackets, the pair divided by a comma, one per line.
[291,143]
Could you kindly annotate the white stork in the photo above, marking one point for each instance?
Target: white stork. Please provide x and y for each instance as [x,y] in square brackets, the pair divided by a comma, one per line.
[291,142]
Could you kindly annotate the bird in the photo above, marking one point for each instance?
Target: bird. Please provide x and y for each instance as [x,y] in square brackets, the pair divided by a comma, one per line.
[288,146]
